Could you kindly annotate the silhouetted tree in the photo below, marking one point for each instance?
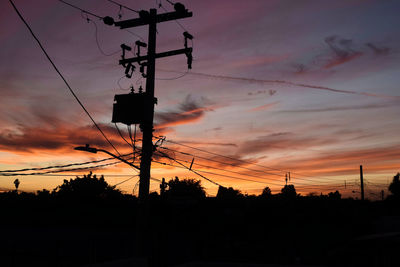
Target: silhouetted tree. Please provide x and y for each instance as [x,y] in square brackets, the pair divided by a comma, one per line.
[266,193]
[288,191]
[335,195]
[189,188]
[16,183]
[228,193]
[87,187]
[394,187]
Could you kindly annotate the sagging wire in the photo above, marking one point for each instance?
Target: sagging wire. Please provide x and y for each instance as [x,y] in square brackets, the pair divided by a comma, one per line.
[135,34]
[119,84]
[133,140]
[120,133]
[126,180]
[82,10]
[174,78]
[98,43]
[62,76]
[122,6]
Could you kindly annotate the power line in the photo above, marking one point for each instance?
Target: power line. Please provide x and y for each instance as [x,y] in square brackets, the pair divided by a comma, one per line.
[228,164]
[208,179]
[263,178]
[173,78]
[62,77]
[82,10]
[216,154]
[61,170]
[247,162]
[124,181]
[116,126]
[120,5]
[60,166]
[177,22]
[98,43]
[77,174]
[221,162]
[223,175]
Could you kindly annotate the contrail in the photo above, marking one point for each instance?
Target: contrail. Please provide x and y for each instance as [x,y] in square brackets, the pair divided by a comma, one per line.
[261,81]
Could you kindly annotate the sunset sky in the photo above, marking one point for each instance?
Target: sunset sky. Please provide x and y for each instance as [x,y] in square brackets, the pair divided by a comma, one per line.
[307,87]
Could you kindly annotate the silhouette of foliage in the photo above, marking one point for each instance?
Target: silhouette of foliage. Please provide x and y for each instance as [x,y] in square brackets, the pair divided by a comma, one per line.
[394,186]
[85,188]
[187,188]
[228,193]
[266,193]
[288,191]
[16,183]
[335,195]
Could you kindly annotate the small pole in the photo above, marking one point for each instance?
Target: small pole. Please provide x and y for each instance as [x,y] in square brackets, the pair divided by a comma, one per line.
[362,183]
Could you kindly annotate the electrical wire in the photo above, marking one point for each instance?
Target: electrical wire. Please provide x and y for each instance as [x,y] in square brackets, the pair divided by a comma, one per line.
[82,10]
[116,126]
[223,156]
[61,170]
[258,177]
[120,87]
[221,162]
[173,78]
[124,181]
[177,22]
[135,34]
[210,167]
[133,143]
[247,162]
[120,5]
[98,43]
[59,166]
[62,77]
[208,179]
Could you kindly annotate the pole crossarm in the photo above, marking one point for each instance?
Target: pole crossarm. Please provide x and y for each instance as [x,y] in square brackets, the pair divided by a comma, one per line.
[123,24]
[158,55]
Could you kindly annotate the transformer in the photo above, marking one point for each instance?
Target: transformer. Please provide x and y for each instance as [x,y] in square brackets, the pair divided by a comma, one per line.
[131,108]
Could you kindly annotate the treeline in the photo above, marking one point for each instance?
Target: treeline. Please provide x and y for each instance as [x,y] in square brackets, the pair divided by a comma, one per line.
[185,225]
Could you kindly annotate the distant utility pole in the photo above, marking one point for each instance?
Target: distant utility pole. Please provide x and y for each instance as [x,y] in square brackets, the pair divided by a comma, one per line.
[362,182]
[149,61]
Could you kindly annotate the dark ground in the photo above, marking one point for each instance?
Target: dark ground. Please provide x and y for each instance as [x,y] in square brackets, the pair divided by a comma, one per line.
[45,231]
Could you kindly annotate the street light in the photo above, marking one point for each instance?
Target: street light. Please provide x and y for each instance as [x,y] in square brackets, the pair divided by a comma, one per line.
[87,148]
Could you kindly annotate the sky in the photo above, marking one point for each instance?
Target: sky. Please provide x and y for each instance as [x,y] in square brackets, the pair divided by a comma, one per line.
[306,87]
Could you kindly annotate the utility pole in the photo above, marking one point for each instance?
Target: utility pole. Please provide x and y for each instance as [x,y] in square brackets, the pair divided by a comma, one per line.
[149,61]
[362,183]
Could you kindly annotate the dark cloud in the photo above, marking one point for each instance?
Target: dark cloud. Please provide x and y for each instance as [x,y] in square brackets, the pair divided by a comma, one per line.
[260,92]
[378,50]
[300,68]
[339,108]
[57,138]
[262,81]
[190,110]
[346,162]
[280,141]
[197,143]
[342,49]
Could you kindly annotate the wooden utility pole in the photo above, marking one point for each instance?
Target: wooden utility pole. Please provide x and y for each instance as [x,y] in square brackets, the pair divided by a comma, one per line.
[147,126]
[362,182]
[149,61]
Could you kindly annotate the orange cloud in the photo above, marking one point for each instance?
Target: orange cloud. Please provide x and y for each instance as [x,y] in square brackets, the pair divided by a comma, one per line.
[265,107]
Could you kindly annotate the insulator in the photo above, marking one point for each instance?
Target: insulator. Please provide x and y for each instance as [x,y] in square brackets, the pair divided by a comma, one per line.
[108,20]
